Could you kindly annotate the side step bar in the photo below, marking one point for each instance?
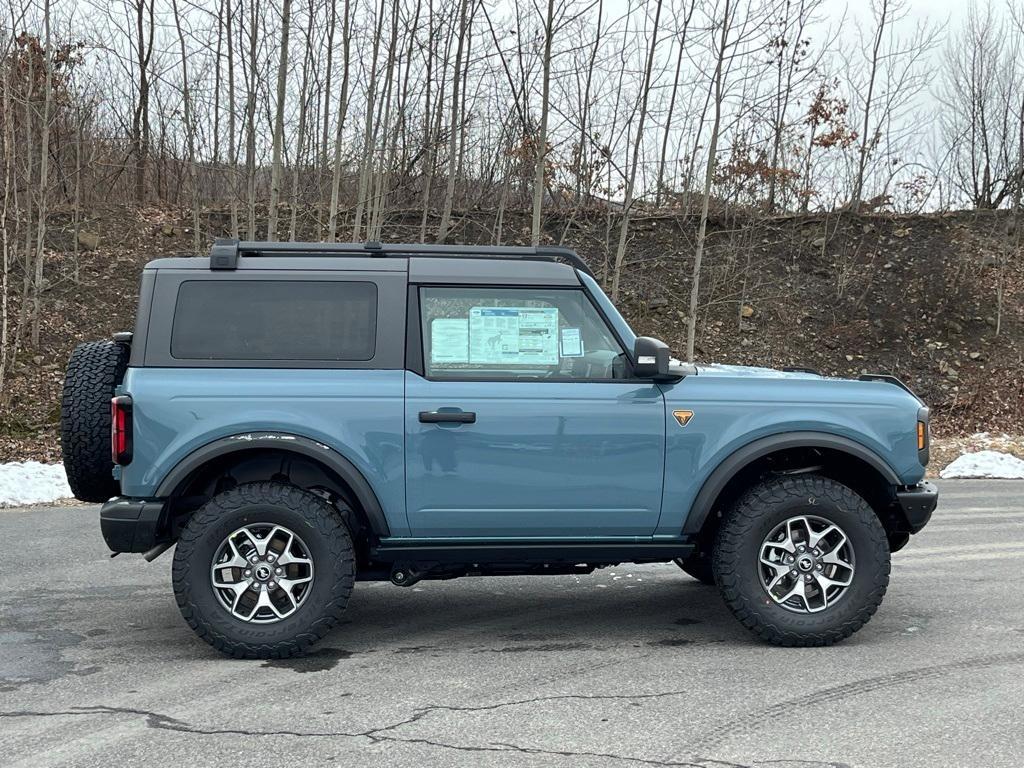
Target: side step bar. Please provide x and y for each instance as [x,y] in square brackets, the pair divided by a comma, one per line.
[544,551]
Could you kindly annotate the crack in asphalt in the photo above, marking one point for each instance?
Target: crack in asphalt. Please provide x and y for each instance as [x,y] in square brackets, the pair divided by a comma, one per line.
[160,721]
[746,723]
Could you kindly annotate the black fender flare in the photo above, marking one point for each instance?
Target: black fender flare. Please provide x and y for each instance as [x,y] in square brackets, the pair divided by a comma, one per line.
[740,458]
[282,441]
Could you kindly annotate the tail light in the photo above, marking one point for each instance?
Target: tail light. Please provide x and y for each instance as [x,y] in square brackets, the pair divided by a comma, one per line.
[121,430]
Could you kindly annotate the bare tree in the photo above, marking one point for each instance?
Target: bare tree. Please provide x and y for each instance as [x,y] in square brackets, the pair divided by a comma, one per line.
[722,27]
[44,174]
[627,203]
[339,128]
[681,32]
[190,140]
[369,128]
[251,89]
[542,138]
[894,73]
[282,82]
[304,103]
[980,93]
[453,138]
[145,21]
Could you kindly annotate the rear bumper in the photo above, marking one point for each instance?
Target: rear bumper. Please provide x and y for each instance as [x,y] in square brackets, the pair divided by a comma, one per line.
[132,525]
[918,502]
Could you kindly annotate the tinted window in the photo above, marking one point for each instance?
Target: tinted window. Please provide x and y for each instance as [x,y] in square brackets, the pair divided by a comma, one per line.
[274,320]
[520,333]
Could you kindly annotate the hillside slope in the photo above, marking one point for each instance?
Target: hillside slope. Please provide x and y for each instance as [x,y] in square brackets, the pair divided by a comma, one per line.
[916,296]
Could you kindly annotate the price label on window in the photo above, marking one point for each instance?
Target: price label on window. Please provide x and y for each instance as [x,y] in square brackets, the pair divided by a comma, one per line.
[513,335]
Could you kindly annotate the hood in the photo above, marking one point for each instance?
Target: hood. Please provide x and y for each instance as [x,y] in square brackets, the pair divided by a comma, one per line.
[753,372]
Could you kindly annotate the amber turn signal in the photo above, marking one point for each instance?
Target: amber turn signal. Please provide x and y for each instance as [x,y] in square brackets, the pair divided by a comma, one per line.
[683,417]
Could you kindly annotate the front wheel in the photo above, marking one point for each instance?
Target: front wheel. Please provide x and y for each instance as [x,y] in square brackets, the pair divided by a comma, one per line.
[802,561]
[263,570]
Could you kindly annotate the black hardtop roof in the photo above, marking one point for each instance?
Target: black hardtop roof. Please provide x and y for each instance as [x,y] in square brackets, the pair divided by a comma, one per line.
[225,253]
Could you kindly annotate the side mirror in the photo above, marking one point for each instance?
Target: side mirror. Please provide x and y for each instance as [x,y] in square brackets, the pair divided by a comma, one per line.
[651,358]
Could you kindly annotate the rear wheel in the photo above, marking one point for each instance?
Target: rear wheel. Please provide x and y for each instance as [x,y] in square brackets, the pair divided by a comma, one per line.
[264,570]
[802,561]
[94,370]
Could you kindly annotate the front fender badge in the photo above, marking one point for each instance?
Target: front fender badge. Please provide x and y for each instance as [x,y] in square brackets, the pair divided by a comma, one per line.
[683,417]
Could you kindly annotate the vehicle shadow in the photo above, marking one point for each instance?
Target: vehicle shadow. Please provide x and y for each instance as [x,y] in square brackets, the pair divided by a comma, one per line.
[508,615]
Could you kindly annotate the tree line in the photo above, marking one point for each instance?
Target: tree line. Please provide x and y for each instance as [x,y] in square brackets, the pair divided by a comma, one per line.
[348,113]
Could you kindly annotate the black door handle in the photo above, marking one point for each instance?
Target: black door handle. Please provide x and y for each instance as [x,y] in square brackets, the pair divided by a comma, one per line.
[439,417]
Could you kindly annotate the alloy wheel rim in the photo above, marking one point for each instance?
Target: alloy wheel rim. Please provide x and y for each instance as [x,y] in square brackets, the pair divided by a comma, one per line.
[262,573]
[806,564]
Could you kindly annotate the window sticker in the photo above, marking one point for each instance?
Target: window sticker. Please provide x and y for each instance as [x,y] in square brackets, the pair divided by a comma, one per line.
[449,340]
[572,342]
[513,335]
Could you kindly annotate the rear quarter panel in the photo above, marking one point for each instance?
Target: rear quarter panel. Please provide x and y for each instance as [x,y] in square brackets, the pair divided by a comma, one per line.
[358,413]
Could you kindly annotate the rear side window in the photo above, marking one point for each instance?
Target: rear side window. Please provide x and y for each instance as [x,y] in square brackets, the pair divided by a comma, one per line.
[274,320]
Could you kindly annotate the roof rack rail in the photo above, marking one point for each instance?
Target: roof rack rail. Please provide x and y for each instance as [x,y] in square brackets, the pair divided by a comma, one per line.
[225,252]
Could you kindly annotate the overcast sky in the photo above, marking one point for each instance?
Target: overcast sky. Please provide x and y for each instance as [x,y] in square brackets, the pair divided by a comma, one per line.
[935,10]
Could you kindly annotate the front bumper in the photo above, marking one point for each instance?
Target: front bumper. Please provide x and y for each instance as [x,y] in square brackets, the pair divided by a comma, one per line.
[132,525]
[917,502]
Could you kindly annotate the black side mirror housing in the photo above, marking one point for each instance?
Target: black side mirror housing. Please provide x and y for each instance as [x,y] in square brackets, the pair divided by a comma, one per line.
[651,359]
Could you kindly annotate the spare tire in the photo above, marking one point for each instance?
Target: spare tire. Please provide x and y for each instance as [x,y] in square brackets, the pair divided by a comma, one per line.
[94,369]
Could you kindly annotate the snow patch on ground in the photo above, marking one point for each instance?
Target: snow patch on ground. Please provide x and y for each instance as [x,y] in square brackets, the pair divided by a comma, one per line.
[985,464]
[30,482]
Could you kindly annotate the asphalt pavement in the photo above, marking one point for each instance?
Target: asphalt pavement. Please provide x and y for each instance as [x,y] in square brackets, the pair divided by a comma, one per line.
[631,666]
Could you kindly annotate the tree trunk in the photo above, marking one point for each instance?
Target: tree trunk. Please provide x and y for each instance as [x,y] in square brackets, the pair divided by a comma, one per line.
[282,82]
[369,129]
[542,140]
[659,190]
[453,139]
[190,133]
[620,251]
[339,129]
[304,98]
[44,178]
[251,86]
[709,177]
[232,139]
[865,142]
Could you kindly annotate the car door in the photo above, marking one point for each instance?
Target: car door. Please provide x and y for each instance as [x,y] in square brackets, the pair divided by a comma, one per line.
[524,420]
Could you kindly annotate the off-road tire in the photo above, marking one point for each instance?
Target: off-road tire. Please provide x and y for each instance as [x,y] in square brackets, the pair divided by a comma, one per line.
[314,520]
[698,565]
[737,548]
[94,370]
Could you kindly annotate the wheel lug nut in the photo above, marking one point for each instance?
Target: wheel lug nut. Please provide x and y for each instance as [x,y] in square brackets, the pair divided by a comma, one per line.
[271,558]
[807,577]
[277,570]
[793,572]
[248,573]
[253,558]
[271,585]
[819,566]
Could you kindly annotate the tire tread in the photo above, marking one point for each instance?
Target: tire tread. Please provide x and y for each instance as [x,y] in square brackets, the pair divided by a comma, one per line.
[327,523]
[740,521]
[94,370]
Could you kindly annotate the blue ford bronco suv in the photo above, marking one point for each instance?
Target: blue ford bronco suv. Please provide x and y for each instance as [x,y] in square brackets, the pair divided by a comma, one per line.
[298,417]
